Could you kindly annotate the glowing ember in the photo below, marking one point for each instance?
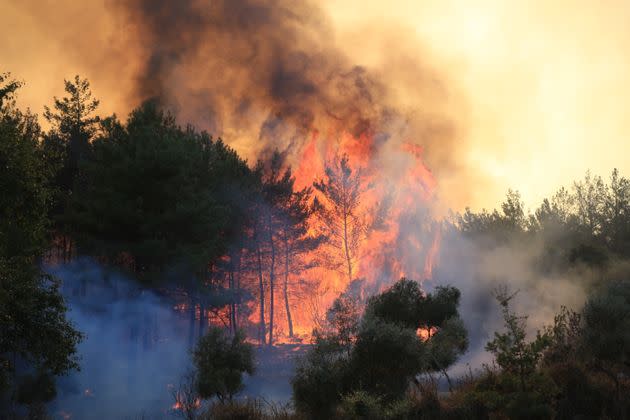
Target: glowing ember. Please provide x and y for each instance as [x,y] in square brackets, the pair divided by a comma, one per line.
[65,415]
[425,333]
[180,406]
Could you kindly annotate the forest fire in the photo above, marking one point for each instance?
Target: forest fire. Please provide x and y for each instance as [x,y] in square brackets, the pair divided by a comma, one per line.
[281,209]
[389,232]
[178,405]
[399,238]
[299,95]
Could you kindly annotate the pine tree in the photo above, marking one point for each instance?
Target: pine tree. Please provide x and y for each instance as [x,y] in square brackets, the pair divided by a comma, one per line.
[338,211]
[73,127]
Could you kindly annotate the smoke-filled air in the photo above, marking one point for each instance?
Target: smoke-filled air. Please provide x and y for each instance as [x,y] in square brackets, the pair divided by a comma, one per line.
[290,209]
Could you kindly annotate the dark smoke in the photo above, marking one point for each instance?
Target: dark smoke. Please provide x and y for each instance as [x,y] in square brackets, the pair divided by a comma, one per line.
[267,70]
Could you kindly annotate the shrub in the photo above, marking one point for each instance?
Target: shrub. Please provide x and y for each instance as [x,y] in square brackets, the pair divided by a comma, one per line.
[220,362]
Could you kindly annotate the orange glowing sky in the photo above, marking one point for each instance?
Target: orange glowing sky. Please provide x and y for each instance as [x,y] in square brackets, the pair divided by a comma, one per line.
[539,89]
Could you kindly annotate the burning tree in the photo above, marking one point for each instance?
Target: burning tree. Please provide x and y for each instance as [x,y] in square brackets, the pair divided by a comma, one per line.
[187,401]
[281,236]
[338,212]
[277,188]
[297,243]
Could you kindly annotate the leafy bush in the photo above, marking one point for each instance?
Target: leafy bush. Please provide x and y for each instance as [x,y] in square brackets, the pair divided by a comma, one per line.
[385,358]
[360,405]
[321,378]
[376,359]
[220,362]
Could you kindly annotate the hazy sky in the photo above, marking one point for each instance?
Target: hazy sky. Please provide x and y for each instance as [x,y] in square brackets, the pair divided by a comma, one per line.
[539,89]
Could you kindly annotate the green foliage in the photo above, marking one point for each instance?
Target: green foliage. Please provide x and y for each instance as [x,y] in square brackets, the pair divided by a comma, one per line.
[606,318]
[36,389]
[67,144]
[446,345]
[376,358]
[360,405]
[23,184]
[498,227]
[249,409]
[404,304]
[501,394]
[575,368]
[565,337]
[517,389]
[512,352]
[7,90]
[588,355]
[33,327]
[72,115]
[578,367]
[580,394]
[220,362]
[321,377]
[386,357]
[605,342]
[400,304]
[344,316]
[438,307]
[162,194]
[586,225]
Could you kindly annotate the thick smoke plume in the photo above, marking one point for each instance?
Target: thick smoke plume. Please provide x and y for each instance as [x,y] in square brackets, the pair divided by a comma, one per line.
[267,74]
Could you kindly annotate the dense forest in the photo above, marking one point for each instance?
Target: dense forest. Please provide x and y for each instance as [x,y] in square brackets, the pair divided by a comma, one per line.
[229,242]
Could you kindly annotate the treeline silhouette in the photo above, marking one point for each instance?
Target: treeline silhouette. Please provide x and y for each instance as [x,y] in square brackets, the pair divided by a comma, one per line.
[179,210]
[187,215]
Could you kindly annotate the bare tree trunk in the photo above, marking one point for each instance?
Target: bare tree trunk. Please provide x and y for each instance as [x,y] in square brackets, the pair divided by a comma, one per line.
[345,243]
[232,304]
[262,334]
[237,307]
[191,324]
[202,318]
[286,286]
[65,248]
[272,278]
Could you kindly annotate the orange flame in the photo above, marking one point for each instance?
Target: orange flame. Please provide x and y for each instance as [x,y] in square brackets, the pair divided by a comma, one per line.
[392,250]
[179,406]
[403,243]
[425,334]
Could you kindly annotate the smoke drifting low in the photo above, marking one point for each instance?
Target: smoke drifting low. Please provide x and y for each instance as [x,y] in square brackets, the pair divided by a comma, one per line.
[135,346]
[137,350]
[477,269]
